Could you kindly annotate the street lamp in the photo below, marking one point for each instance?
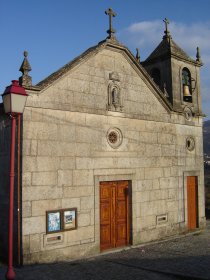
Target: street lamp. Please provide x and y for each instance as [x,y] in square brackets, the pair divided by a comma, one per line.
[14,99]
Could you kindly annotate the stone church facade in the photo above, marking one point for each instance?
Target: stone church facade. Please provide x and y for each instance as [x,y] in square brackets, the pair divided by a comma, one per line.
[111,152]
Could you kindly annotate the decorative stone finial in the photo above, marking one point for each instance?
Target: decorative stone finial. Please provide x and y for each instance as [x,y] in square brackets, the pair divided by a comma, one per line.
[25,53]
[167,33]
[137,55]
[111,14]
[198,56]
[25,79]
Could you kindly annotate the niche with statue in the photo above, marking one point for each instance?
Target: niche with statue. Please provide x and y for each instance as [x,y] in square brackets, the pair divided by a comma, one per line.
[114,93]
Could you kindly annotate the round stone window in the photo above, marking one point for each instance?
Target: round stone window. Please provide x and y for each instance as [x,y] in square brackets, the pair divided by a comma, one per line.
[114,137]
[190,143]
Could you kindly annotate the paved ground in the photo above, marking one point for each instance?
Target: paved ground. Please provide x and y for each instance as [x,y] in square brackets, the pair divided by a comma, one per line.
[182,258]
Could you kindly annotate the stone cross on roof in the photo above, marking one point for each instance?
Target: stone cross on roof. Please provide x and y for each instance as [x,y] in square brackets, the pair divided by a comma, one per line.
[111,14]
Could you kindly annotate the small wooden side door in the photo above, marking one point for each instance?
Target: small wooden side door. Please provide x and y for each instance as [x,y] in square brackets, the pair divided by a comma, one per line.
[106,215]
[121,214]
[192,202]
[114,213]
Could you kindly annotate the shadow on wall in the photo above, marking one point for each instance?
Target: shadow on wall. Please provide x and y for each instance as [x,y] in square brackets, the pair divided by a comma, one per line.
[207,211]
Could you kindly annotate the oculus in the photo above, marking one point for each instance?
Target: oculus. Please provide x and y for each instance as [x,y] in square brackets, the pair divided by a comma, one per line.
[114,137]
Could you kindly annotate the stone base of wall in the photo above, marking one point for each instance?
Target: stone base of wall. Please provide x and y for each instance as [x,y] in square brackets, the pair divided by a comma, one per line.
[62,254]
[75,252]
[202,222]
[159,233]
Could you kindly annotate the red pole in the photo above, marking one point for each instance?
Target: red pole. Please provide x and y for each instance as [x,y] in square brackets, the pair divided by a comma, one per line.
[10,272]
[18,186]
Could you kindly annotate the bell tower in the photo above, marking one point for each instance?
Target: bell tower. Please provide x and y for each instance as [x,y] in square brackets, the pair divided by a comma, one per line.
[176,74]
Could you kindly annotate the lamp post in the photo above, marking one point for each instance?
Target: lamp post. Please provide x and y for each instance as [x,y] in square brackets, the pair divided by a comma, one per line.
[14,99]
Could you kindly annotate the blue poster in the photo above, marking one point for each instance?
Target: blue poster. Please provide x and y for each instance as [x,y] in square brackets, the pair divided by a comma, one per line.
[54,221]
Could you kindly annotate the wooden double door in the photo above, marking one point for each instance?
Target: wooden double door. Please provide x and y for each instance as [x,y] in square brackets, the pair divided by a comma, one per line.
[114,214]
[192,202]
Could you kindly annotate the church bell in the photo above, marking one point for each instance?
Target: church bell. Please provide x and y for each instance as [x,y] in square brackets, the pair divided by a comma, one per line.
[186,91]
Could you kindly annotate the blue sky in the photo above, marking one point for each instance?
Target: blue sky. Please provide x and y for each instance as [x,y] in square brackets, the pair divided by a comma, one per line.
[54,32]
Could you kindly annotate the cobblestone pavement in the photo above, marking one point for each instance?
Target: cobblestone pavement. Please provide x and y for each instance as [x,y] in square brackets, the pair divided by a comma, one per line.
[181,258]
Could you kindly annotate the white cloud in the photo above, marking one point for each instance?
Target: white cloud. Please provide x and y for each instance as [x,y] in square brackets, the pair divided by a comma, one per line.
[144,26]
[147,34]
[142,34]
[191,36]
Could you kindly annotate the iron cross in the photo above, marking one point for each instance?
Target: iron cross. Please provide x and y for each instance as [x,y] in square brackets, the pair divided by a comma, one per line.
[166,24]
[111,14]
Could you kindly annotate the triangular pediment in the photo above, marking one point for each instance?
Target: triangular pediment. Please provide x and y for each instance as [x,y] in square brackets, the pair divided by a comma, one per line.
[92,52]
[86,83]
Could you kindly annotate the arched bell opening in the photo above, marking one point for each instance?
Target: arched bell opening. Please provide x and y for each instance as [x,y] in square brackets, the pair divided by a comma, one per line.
[186,85]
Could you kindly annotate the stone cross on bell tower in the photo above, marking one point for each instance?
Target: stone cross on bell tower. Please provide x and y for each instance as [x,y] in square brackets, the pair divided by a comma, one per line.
[166,24]
[167,33]
[111,14]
